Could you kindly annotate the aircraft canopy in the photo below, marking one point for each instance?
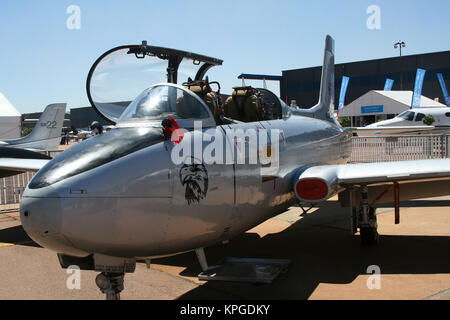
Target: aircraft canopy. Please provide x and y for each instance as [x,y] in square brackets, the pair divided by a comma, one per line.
[122,73]
[162,101]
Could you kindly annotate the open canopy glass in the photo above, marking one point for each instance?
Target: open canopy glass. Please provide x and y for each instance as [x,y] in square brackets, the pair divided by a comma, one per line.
[122,73]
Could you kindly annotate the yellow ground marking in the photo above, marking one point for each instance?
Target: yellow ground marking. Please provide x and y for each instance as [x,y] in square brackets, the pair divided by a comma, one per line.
[5,244]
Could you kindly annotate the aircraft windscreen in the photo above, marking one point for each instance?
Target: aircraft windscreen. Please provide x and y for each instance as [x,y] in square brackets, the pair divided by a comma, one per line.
[163,101]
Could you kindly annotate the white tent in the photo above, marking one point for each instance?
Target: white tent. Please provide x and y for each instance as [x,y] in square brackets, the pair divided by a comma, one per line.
[383,105]
[10,120]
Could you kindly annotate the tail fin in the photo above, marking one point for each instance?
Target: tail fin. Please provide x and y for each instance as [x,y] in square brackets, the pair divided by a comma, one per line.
[46,134]
[324,110]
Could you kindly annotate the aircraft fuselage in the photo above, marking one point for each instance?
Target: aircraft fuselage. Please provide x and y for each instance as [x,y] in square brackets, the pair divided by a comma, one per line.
[120,194]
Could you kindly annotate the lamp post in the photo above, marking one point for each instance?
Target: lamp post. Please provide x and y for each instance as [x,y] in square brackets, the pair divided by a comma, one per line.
[400,45]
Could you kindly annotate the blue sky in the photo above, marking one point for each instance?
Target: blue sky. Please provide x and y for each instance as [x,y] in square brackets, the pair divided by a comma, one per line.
[43,62]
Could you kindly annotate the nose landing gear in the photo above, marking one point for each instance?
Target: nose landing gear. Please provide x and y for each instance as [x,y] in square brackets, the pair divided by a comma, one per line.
[110,284]
[113,269]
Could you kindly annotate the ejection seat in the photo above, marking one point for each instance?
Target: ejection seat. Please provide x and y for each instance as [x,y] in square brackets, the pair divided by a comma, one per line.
[244,105]
[203,89]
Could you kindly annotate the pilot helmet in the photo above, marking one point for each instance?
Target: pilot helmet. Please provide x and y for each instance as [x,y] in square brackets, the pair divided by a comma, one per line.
[96,128]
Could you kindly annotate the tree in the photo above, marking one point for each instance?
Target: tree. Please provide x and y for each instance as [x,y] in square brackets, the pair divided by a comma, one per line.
[428,120]
[26,132]
[345,122]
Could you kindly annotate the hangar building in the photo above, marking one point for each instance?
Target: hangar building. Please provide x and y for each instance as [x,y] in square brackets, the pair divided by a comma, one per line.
[303,85]
[81,118]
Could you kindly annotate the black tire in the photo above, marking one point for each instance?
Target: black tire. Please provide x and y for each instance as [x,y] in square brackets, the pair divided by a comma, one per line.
[354,225]
[369,236]
[373,213]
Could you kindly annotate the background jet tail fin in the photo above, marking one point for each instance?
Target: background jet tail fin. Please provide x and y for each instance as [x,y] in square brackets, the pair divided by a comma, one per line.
[324,110]
[50,123]
[46,134]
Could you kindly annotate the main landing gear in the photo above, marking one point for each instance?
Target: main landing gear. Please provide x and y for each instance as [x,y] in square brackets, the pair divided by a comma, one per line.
[364,217]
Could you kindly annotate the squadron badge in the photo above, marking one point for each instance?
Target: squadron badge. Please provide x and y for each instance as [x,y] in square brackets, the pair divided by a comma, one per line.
[194,177]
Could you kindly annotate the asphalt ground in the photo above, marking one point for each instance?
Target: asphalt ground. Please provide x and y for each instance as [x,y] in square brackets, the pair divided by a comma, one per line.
[326,261]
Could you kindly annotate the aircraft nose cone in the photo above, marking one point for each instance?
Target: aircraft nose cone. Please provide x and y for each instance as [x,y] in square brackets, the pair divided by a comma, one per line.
[41,219]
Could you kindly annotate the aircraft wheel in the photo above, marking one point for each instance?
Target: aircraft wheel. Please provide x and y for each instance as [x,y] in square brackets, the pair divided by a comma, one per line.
[369,236]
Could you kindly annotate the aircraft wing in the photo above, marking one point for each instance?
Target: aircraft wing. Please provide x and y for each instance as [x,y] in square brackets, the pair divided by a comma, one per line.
[14,161]
[336,178]
[367,131]
[12,164]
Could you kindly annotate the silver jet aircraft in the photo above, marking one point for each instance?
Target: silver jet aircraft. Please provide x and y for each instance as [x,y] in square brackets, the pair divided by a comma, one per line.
[120,196]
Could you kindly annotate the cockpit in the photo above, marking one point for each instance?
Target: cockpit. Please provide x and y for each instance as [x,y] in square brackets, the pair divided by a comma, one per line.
[147,84]
[411,116]
[162,101]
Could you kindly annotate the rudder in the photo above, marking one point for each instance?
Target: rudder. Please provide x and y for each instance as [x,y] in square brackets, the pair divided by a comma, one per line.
[324,109]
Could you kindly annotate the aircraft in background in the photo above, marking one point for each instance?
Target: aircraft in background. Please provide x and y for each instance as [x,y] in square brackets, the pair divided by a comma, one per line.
[119,197]
[414,118]
[46,134]
[83,134]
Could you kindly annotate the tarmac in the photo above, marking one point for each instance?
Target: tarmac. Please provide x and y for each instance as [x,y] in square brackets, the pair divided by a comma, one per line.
[327,262]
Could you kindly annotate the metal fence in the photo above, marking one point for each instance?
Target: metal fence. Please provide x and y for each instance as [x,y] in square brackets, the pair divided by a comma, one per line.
[12,188]
[364,149]
[399,148]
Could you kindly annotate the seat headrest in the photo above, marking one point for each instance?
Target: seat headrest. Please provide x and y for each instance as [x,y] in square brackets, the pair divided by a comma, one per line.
[243,91]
